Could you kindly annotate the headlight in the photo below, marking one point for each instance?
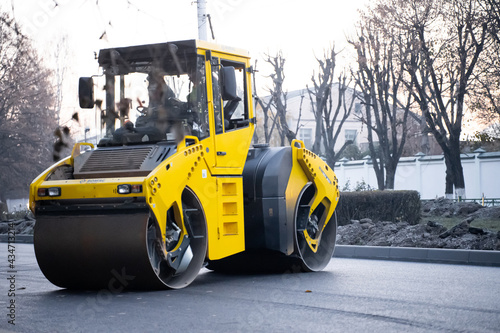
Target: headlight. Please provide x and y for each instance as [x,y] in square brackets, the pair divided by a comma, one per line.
[51,192]
[123,189]
[54,192]
[127,189]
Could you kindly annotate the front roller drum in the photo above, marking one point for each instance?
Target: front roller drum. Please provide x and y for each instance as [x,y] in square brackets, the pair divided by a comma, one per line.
[119,250]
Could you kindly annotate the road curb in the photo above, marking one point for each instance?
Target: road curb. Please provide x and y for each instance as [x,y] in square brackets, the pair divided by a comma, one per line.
[448,256]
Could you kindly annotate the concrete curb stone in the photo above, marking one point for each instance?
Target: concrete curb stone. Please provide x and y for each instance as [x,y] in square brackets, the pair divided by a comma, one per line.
[449,256]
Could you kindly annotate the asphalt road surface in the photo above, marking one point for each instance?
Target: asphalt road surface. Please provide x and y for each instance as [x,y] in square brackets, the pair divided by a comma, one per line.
[350,295]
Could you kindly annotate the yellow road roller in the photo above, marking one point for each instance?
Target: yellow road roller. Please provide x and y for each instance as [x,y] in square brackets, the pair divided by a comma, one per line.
[173,185]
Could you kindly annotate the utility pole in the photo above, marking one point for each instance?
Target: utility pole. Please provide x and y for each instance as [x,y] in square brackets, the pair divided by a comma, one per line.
[202,19]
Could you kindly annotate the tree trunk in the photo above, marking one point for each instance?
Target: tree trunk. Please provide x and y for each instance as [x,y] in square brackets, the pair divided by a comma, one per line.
[330,158]
[316,148]
[379,172]
[457,169]
[390,174]
[377,165]
[448,190]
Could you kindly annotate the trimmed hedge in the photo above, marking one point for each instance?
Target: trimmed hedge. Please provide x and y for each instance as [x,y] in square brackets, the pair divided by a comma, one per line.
[393,206]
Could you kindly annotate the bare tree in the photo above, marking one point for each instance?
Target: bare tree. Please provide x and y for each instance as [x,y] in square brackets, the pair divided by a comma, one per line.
[381,54]
[265,106]
[27,118]
[274,106]
[322,93]
[278,98]
[329,119]
[485,96]
[448,38]
[484,90]
[492,8]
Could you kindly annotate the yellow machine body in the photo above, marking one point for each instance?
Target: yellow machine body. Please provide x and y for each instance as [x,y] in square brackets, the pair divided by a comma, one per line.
[158,207]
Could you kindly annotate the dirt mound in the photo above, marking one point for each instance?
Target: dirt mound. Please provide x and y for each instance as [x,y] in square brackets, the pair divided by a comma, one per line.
[21,226]
[429,235]
[487,213]
[445,207]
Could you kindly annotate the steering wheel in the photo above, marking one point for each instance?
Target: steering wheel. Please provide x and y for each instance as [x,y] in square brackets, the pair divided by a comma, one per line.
[143,110]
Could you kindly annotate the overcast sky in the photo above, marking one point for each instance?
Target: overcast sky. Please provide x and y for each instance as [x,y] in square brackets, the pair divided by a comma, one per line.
[69,32]
[301,29]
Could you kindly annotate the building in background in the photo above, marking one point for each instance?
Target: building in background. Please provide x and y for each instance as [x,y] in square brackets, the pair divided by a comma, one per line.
[301,120]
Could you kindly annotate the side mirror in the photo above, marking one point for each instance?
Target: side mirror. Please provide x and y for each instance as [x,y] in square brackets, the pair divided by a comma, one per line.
[86,92]
[228,81]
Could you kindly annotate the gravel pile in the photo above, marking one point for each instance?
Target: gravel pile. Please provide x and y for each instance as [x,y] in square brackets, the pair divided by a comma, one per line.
[428,235]
[21,226]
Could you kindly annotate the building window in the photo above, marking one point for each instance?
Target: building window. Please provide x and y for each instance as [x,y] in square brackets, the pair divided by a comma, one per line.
[351,134]
[305,134]
[357,108]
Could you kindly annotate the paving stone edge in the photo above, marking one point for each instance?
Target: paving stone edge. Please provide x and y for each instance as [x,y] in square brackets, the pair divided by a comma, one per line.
[448,256]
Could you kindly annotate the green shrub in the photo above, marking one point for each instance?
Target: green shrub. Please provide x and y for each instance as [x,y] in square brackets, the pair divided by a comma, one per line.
[379,206]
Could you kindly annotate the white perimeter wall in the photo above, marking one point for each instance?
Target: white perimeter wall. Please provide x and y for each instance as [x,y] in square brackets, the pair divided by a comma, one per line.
[15,205]
[426,174]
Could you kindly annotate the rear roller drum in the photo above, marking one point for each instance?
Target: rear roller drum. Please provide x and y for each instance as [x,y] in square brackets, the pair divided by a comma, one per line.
[315,247]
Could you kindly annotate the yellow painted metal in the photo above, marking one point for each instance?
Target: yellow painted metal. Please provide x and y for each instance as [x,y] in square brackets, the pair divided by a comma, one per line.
[90,188]
[194,166]
[230,222]
[165,184]
[189,168]
[209,143]
[77,148]
[298,180]
[221,199]
[80,188]
[233,149]
[41,178]
[215,179]
[308,167]
[227,51]
[232,146]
